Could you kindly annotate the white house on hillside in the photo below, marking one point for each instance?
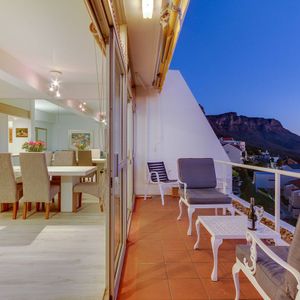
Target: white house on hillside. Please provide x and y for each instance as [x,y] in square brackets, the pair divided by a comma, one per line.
[232,141]
[234,153]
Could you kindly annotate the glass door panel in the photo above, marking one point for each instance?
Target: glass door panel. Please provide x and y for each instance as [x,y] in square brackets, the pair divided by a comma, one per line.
[118,164]
[117,137]
[130,134]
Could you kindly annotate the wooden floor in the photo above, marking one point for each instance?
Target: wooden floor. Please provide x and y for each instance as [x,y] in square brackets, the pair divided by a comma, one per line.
[62,258]
[161,264]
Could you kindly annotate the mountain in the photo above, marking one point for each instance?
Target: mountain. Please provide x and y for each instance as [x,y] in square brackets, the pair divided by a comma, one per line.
[257,133]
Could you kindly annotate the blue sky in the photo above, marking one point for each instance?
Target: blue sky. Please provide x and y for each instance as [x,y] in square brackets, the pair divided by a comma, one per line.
[243,56]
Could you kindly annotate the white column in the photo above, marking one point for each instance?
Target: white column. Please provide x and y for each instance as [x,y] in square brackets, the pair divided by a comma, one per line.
[277,202]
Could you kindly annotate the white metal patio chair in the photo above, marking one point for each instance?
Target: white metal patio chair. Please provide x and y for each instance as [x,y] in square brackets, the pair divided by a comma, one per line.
[274,271]
[157,174]
[198,187]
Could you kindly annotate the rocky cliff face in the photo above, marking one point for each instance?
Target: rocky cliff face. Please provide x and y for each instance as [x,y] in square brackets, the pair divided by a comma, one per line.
[257,132]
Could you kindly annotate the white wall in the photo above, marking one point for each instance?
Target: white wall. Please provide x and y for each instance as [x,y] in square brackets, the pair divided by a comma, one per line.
[46,120]
[171,125]
[59,125]
[16,145]
[66,122]
[3,133]
[50,133]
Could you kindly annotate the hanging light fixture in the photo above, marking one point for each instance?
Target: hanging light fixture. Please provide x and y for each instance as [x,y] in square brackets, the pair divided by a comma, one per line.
[82,106]
[55,82]
[147,7]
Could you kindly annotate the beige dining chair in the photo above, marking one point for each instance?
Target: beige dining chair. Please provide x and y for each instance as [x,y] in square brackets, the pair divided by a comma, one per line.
[91,188]
[49,157]
[10,190]
[36,182]
[96,153]
[85,159]
[62,158]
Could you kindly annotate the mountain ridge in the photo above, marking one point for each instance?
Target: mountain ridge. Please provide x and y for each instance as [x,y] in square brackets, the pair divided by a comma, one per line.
[263,133]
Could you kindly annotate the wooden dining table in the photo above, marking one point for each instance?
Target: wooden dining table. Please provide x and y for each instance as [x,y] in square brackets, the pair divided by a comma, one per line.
[69,177]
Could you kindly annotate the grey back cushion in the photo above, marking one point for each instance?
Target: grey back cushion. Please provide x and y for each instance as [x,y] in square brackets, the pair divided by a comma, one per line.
[197,173]
[294,261]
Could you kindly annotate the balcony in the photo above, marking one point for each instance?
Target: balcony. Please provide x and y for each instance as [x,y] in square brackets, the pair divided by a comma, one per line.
[160,260]
[161,263]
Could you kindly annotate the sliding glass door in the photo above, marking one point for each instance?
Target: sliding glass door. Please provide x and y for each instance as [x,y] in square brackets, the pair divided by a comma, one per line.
[130,157]
[118,163]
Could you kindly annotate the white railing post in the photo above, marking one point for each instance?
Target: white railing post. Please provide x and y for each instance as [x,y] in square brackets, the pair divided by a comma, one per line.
[224,179]
[277,202]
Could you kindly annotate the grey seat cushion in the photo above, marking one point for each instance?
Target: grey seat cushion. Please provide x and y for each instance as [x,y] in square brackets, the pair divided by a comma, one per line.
[269,275]
[197,172]
[293,260]
[205,196]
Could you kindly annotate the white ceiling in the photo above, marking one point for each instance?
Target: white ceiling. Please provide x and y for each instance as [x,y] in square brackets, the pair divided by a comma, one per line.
[143,35]
[9,91]
[47,35]
[37,36]
[46,106]
[42,35]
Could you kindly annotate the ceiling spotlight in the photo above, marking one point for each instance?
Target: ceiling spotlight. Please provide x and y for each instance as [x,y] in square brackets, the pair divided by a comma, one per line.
[83,109]
[84,103]
[80,105]
[147,7]
[51,88]
[57,95]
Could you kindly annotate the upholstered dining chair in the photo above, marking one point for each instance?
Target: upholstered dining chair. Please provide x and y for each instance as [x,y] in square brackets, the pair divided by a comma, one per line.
[49,157]
[273,270]
[85,159]
[96,153]
[10,190]
[198,187]
[91,188]
[36,183]
[62,158]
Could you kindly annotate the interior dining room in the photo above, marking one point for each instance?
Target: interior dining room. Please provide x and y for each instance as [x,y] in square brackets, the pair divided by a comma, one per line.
[54,146]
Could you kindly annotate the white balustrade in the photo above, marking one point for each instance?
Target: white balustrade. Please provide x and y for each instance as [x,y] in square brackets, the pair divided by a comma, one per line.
[277,173]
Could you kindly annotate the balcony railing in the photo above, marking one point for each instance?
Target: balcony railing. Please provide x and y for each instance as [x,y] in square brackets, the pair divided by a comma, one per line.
[277,173]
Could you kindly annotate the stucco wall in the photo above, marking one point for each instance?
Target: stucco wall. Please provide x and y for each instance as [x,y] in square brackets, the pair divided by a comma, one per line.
[171,125]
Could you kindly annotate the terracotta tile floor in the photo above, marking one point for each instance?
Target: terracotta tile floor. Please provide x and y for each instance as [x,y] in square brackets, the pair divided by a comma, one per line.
[161,264]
